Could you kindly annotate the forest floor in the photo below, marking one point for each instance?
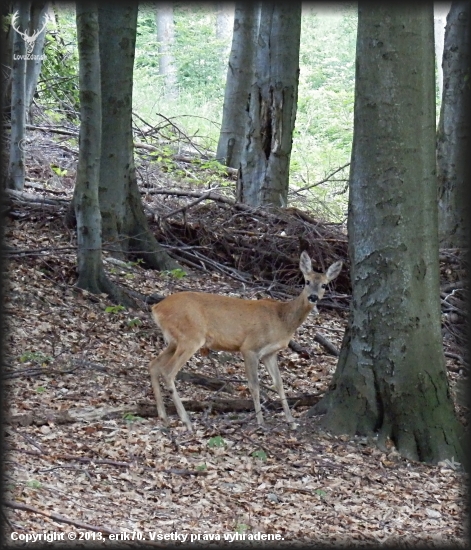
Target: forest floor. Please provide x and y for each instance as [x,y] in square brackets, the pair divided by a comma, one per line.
[87,458]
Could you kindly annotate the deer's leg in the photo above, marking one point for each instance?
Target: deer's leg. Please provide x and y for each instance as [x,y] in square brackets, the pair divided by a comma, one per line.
[157,367]
[251,369]
[182,353]
[271,364]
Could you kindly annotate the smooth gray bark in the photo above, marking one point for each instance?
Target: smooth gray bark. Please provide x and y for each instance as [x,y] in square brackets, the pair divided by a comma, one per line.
[264,165]
[391,380]
[224,19]
[240,73]
[87,210]
[166,40]
[453,139]
[16,168]
[125,227]
[38,20]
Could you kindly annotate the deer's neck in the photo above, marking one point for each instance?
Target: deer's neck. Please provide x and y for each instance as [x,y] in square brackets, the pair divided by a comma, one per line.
[295,311]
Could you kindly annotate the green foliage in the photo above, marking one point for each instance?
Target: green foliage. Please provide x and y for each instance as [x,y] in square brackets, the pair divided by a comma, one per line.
[134,323]
[324,121]
[261,455]
[34,484]
[129,417]
[114,309]
[201,468]
[36,357]
[241,528]
[177,273]
[40,389]
[201,67]
[58,82]
[57,170]
[216,441]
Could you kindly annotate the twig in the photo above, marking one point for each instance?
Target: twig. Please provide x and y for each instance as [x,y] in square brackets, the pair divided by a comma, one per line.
[187,206]
[59,518]
[297,191]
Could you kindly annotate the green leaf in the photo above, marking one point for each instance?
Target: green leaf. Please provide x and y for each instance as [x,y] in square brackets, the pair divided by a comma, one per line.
[114,309]
[216,441]
[34,484]
[261,455]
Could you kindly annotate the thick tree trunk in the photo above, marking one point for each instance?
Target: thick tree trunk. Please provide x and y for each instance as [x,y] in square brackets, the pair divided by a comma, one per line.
[125,227]
[16,169]
[454,132]
[240,73]
[391,380]
[38,20]
[264,166]
[124,224]
[166,39]
[87,211]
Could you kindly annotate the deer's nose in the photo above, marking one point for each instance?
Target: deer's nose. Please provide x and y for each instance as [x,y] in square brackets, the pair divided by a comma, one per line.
[313,298]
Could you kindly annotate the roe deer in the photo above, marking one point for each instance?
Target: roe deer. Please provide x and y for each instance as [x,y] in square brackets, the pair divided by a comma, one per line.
[258,329]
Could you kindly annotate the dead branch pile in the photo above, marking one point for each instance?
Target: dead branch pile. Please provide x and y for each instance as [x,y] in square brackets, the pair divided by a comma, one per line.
[254,245]
[454,300]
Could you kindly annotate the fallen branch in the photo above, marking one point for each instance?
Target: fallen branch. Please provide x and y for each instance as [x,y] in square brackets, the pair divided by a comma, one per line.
[187,206]
[149,410]
[327,344]
[59,518]
[22,196]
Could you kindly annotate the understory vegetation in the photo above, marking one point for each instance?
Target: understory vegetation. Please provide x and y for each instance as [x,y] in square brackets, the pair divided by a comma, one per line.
[324,122]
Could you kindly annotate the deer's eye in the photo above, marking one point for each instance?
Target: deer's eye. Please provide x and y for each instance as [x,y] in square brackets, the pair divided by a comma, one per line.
[324,286]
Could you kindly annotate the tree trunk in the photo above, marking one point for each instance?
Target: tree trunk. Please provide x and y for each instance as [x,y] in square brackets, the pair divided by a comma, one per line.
[87,211]
[224,19]
[240,73]
[6,52]
[16,169]
[439,21]
[264,166]
[391,379]
[166,40]
[124,224]
[453,139]
[38,20]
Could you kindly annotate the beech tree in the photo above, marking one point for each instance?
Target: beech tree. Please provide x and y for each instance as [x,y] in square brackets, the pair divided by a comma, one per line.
[391,379]
[166,39]
[38,21]
[91,275]
[264,165]
[454,130]
[125,229]
[16,168]
[240,73]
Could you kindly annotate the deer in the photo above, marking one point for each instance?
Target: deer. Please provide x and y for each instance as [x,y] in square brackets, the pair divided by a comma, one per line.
[258,329]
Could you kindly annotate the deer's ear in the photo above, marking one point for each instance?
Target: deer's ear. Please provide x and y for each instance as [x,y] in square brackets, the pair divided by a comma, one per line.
[305,264]
[334,270]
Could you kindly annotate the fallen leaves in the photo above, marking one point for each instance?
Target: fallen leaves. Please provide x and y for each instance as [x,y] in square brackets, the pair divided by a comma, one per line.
[109,470]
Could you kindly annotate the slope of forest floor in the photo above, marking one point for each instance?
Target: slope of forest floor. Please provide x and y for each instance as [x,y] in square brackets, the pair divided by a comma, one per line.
[86,454]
